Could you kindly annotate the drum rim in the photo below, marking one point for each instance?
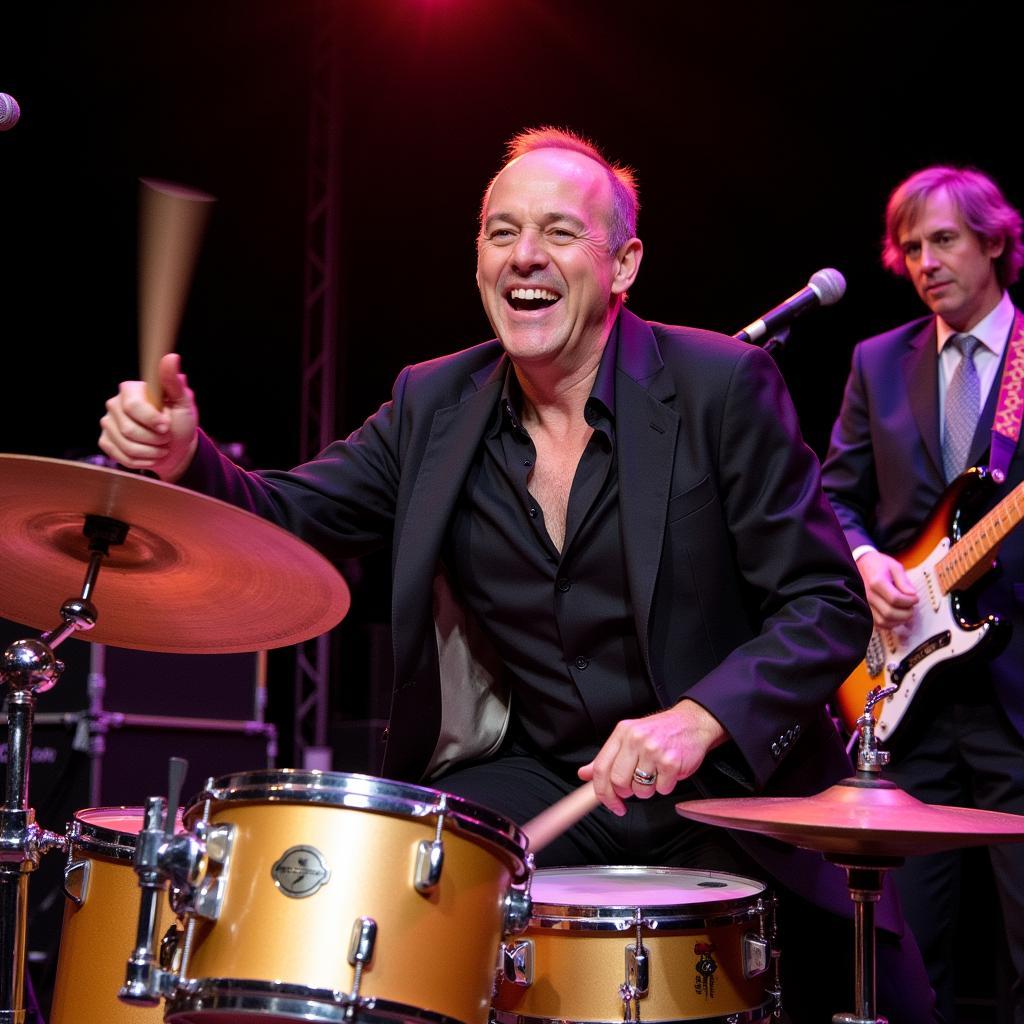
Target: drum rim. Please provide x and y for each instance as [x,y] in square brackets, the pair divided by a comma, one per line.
[365,793]
[620,916]
[328,1005]
[98,839]
[749,1015]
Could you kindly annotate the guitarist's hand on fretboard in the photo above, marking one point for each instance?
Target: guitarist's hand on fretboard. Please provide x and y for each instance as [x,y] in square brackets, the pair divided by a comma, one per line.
[890,593]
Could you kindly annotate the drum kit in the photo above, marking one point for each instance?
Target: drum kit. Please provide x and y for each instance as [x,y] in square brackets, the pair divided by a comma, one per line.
[326,897]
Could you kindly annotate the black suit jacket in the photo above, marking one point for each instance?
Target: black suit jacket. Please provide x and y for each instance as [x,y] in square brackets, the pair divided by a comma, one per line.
[883,475]
[745,595]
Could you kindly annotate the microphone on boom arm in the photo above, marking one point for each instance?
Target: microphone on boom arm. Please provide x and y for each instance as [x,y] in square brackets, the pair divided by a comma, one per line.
[823,289]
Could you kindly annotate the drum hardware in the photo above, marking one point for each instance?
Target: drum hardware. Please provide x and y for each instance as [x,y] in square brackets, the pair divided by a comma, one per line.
[866,825]
[76,872]
[145,980]
[360,953]
[515,964]
[638,971]
[518,903]
[515,958]
[430,855]
[195,865]
[30,667]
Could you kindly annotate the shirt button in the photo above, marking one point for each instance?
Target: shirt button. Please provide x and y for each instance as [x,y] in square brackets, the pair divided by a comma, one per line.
[563,584]
[581,662]
[527,462]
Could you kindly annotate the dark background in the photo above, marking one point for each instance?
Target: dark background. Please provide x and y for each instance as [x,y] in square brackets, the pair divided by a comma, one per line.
[766,138]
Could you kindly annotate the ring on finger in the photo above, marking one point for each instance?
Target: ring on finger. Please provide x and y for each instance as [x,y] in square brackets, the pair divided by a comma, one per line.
[644,778]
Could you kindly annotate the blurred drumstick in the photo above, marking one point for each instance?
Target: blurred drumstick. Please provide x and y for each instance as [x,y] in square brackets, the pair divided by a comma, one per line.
[171,224]
[560,816]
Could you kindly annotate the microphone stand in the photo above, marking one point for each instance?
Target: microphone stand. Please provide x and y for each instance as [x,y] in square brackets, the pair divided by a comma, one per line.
[776,341]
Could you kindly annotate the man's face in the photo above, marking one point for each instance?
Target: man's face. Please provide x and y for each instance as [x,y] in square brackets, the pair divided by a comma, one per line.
[548,283]
[952,268]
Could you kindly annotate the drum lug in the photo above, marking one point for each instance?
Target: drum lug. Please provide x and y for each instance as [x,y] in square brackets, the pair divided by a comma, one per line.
[430,855]
[76,880]
[756,955]
[208,895]
[638,969]
[360,953]
[515,964]
[763,947]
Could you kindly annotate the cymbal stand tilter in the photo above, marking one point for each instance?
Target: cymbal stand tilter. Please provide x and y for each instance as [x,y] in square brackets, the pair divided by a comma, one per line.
[28,668]
[865,873]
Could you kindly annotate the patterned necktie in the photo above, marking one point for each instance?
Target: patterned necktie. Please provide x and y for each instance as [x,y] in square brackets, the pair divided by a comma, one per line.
[963,400]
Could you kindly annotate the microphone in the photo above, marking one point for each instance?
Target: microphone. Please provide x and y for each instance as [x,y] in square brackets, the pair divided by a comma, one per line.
[824,288]
[9,112]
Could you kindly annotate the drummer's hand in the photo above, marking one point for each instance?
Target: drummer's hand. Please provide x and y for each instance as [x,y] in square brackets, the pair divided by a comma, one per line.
[139,436]
[671,743]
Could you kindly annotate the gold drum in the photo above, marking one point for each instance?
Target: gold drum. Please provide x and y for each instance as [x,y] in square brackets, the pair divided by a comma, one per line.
[101,912]
[607,944]
[346,898]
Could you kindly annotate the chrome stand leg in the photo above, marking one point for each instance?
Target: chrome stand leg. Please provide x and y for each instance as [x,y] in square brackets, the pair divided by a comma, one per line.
[864,879]
[27,668]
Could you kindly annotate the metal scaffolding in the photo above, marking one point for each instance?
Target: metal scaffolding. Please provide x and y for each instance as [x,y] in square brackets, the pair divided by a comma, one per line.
[319,343]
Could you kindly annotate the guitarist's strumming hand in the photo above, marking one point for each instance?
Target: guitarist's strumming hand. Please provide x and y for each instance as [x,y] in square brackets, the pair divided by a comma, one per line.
[890,593]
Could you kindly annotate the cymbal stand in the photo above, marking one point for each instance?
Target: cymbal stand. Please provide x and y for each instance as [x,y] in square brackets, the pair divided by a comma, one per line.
[865,874]
[28,668]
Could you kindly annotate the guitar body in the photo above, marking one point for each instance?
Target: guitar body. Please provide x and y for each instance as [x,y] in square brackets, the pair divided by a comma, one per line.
[942,629]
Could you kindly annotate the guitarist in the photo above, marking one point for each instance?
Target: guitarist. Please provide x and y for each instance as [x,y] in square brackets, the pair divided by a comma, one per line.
[918,409]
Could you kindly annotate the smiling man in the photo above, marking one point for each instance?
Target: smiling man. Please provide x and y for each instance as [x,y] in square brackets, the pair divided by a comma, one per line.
[919,409]
[612,560]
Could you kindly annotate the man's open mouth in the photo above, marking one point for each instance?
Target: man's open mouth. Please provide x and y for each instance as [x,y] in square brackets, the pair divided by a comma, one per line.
[531,298]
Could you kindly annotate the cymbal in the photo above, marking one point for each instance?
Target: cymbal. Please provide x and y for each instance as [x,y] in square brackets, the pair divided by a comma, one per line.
[857,818]
[194,575]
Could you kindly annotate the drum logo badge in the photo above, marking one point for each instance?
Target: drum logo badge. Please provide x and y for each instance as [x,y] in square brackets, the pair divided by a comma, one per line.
[300,871]
[704,980]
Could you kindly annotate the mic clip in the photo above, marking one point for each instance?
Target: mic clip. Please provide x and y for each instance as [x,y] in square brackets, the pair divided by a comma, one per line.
[777,340]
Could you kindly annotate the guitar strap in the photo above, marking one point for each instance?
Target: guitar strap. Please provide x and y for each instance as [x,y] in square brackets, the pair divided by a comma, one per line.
[1007,421]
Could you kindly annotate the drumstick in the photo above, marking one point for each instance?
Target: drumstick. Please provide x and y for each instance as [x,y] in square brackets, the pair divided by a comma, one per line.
[561,815]
[171,223]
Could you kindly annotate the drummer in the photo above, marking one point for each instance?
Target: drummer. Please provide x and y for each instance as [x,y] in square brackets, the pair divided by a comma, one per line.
[611,561]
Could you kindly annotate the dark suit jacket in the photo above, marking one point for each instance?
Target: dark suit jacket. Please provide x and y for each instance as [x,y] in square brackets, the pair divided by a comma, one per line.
[883,475]
[745,596]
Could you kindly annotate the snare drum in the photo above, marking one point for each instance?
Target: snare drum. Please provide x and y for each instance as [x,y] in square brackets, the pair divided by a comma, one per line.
[100,916]
[344,897]
[629,943]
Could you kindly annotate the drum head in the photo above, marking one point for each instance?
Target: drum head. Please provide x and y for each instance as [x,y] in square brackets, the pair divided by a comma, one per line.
[617,891]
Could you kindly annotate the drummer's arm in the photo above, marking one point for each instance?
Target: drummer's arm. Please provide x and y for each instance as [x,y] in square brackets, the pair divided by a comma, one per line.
[137,435]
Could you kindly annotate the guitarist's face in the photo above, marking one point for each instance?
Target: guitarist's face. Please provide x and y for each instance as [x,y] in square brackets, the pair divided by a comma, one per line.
[952,268]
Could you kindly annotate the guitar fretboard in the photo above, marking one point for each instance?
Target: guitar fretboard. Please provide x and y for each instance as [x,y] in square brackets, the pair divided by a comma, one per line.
[980,541]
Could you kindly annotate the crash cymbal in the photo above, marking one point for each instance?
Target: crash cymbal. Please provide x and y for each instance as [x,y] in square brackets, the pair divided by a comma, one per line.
[854,817]
[194,575]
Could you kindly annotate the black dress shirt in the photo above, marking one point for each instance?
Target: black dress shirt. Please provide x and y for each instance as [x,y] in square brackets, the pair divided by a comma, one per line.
[562,622]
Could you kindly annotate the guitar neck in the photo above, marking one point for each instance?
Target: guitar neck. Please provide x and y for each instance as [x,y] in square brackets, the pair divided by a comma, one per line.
[979,544]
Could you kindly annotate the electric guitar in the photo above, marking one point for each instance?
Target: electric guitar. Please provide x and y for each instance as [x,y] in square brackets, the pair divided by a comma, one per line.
[941,564]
